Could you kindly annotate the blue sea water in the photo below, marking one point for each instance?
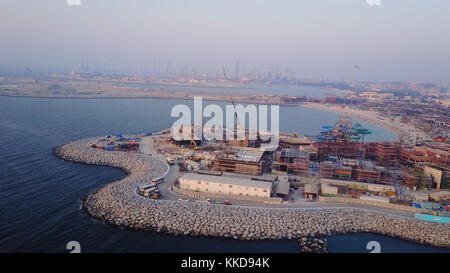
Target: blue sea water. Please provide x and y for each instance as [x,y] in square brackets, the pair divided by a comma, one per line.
[40,194]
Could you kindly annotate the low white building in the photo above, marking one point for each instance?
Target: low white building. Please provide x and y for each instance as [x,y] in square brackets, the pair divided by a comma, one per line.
[327,189]
[420,196]
[225,185]
[359,185]
[374,198]
[440,195]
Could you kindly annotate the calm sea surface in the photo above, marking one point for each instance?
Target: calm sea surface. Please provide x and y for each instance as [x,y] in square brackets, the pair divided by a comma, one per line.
[40,194]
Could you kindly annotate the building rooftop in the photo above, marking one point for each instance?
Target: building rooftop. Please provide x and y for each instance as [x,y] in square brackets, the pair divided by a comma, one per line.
[431,149]
[283,187]
[293,153]
[249,155]
[438,145]
[345,182]
[265,177]
[311,188]
[228,180]
[445,194]
[296,140]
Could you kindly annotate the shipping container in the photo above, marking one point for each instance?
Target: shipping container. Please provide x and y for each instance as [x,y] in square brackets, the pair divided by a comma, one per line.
[432,218]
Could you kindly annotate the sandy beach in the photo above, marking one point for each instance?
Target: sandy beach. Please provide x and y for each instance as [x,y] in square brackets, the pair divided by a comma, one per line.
[406,132]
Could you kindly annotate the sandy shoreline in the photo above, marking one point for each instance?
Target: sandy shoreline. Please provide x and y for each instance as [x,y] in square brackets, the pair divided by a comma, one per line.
[406,132]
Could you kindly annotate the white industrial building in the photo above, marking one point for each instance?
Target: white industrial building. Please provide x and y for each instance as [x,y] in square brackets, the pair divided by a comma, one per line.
[327,189]
[225,185]
[359,185]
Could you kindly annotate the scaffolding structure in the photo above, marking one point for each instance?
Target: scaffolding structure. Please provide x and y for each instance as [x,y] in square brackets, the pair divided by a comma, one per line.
[387,153]
[292,161]
[244,161]
[352,150]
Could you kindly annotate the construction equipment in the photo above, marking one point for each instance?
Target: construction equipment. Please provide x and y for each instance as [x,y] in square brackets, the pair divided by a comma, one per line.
[224,72]
[156,194]
[238,124]
[194,144]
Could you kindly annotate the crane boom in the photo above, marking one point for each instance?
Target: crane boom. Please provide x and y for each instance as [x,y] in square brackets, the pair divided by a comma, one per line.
[235,112]
[224,72]
[238,124]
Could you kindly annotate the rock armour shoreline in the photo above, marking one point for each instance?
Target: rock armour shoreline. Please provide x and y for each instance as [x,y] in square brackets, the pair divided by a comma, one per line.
[117,204]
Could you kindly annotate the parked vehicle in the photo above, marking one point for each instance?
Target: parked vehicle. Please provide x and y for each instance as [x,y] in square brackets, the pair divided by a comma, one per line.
[201,201]
[170,161]
[142,188]
[149,191]
[156,194]
[157,180]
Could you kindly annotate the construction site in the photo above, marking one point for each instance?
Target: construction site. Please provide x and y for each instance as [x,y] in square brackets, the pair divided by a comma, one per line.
[300,169]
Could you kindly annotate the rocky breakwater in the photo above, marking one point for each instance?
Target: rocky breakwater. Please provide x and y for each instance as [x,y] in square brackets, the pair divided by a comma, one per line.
[313,245]
[117,204]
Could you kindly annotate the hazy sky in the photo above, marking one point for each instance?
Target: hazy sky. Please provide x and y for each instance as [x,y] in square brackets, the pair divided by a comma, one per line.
[322,39]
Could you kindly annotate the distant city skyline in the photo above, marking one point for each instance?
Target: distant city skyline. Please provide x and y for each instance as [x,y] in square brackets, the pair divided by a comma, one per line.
[400,40]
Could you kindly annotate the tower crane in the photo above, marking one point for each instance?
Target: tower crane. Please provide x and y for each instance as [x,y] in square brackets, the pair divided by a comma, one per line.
[238,124]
